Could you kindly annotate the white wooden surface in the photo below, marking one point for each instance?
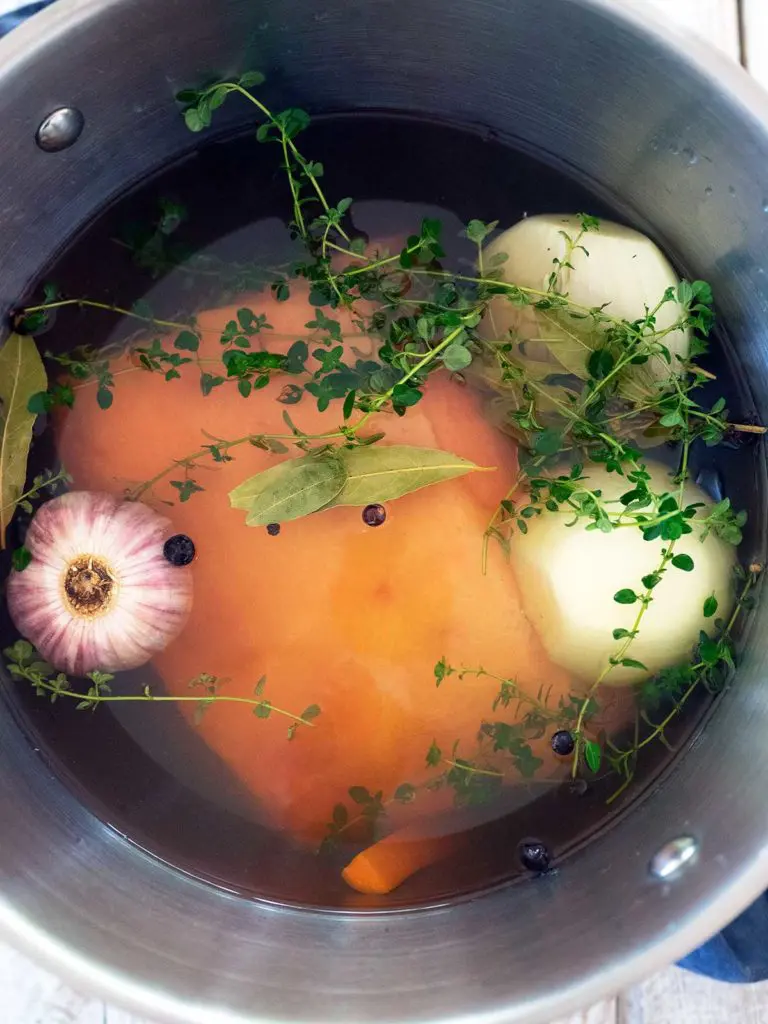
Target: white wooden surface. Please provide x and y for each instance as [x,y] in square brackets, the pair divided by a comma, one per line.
[29,995]
[754,19]
[715,20]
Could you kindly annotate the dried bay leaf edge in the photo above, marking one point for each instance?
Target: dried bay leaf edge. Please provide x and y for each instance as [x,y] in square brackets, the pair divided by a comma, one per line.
[385,472]
[289,490]
[22,375]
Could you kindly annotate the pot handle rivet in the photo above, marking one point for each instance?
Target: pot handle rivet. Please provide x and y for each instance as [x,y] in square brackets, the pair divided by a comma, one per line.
[60,129]
[673,857]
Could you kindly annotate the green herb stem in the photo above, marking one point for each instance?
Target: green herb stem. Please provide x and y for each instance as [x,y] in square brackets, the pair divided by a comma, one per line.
[370,267]
[34,491]
[414,370]
[98,698]
[644,600]
[223,446]
[537,293]
[92,304]
[288,145]
[699,670]
[471,769]
[335,435]
[512,692]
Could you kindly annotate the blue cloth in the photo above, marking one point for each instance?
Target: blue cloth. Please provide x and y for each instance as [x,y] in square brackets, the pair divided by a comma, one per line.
[14,18]
[739,953]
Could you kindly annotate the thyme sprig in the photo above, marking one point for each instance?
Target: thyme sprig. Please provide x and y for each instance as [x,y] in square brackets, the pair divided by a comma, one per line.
[624,391]
[417,301]
[23,662]
[45,483]
[346,435]
[714,661]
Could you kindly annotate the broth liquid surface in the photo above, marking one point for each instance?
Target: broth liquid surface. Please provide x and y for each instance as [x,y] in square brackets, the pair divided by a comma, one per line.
[331,611]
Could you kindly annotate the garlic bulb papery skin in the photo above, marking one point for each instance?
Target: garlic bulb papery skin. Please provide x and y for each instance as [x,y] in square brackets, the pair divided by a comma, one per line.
[98,592]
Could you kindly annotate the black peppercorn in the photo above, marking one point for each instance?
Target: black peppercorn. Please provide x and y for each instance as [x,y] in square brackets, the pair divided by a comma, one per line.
[179,549]
[374,515]
[273,529]
[534,856]
[562,742]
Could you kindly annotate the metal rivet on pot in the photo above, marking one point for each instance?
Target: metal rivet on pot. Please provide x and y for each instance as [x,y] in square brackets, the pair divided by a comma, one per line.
[60,129]
[673,856]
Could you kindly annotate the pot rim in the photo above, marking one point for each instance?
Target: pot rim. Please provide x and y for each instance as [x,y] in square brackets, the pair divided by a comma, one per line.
[734,896]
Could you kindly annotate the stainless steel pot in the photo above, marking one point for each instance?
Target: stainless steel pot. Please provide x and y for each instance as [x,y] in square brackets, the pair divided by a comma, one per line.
[627,110]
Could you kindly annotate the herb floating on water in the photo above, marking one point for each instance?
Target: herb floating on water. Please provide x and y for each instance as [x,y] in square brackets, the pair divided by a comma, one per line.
[380,474]
[289,490]
[502,751]
[25,663]
[357,476]
[709,670]
[45,483]
[586,391]
[346,436]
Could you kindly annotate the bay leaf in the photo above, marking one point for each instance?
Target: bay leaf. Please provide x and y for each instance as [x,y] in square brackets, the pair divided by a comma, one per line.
[289,490]
[22,375]
[385,472]
[569,341]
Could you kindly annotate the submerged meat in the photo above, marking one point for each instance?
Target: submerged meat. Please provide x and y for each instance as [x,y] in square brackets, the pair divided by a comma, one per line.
[331,611]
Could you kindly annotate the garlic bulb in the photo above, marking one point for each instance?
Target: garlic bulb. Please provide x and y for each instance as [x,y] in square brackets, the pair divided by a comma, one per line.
[98,592]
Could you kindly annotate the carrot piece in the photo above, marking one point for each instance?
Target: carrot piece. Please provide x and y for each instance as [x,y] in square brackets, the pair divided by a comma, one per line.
[386,864]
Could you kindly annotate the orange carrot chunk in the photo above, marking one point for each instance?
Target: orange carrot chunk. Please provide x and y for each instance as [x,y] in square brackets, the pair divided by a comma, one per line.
[386,864]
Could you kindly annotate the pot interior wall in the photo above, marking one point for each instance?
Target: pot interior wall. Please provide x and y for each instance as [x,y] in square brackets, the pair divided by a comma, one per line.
[628,114]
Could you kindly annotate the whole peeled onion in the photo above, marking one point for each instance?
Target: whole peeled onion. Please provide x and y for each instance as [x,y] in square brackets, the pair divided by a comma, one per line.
[613,267]
[99,592]
[569,577]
